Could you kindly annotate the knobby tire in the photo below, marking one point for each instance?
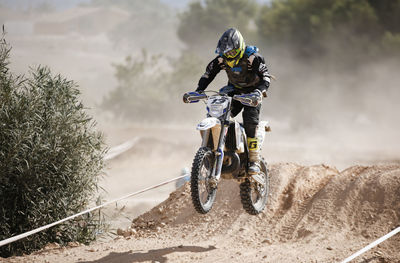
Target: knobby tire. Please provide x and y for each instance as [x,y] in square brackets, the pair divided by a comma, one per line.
[246,189]
[198,162]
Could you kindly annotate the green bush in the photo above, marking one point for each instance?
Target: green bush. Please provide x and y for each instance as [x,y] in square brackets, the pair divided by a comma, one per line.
[348,30]
[50,159]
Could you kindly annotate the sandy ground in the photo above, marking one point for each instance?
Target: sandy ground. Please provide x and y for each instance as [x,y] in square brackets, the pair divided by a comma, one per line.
[315,213]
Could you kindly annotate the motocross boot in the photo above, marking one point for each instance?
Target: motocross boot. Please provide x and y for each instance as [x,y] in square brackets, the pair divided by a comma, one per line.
[254,156]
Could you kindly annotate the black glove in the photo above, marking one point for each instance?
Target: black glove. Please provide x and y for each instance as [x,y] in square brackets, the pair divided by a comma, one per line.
[263,88]
[200,91]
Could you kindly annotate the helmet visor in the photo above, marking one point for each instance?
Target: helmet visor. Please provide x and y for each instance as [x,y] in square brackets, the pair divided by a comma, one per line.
[224,47]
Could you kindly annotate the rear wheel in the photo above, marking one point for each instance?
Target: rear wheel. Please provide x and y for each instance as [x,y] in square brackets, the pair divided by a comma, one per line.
[254,194]
[203,193]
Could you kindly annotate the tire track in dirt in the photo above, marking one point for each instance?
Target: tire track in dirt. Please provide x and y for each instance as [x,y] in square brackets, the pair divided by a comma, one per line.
[307,203]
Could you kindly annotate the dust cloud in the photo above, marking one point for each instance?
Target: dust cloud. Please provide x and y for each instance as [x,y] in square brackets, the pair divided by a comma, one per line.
[347,116]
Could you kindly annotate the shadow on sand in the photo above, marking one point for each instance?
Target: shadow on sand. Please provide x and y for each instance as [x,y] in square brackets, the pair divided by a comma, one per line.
[154,255]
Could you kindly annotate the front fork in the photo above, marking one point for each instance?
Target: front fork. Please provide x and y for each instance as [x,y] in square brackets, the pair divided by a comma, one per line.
[219,157]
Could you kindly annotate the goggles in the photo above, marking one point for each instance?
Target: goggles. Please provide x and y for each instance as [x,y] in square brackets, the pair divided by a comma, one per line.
[232,53]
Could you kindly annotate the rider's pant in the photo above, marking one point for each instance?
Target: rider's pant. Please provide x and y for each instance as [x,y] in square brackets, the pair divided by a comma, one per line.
[250,122]
[251,116]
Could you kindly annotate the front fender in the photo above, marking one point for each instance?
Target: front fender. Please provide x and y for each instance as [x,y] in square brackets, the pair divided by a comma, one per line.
[208,123]
[210,128]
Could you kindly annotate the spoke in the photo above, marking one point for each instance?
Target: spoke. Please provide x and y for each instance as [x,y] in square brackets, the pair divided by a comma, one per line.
[204,197]
[207,163]
[203,190]
[255,195]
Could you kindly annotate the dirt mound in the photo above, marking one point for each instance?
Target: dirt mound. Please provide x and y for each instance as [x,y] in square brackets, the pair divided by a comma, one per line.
[292,187]
[307,205]
[314,214]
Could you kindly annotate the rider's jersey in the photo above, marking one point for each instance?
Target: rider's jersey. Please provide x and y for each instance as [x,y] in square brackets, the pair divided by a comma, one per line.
[250,73]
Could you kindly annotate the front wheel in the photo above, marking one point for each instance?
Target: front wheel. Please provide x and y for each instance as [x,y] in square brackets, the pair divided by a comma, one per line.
[203,192]
[254,194]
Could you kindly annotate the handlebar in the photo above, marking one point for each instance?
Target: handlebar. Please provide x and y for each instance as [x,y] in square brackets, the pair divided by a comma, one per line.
[192,97]
[246,99]
[250,99]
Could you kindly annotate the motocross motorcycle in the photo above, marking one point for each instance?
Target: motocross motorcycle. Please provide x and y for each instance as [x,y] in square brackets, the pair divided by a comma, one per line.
[224,153]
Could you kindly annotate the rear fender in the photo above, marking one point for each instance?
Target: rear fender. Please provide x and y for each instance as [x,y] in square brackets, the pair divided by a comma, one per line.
[260,132]
[240,138]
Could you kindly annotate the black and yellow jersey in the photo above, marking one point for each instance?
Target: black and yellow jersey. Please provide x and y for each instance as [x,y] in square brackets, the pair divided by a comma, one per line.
[250,73]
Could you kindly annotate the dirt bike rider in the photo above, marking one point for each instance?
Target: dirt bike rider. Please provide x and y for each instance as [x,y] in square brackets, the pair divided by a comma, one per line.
[247,74]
